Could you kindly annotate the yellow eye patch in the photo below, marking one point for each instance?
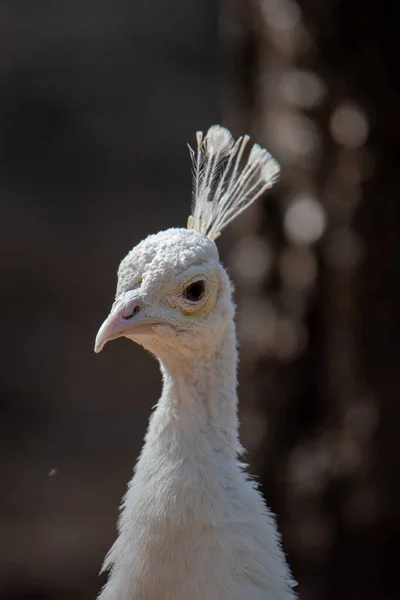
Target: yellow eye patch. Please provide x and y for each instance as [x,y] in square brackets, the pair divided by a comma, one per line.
[195,312]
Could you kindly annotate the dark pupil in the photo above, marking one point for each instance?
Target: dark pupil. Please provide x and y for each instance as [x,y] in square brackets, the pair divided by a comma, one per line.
[195,291]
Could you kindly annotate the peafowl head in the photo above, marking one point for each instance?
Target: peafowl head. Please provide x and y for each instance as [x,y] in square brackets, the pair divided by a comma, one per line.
[173,293]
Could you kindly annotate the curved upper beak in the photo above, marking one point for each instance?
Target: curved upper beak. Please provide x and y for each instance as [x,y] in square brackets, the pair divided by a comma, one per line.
[126,316]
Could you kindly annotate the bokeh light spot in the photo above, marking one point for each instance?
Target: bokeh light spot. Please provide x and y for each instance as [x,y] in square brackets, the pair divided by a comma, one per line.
[305,220]
[349,125]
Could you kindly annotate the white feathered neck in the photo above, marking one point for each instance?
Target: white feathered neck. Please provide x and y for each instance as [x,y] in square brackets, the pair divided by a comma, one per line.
[192,525]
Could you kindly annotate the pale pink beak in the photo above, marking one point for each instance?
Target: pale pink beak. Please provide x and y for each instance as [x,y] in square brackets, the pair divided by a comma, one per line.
[126,316]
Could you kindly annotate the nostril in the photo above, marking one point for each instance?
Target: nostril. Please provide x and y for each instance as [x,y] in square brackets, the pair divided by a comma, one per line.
[133,312]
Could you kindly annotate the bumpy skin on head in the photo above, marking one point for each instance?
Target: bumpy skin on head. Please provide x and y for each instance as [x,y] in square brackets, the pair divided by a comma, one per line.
[153,277]
[162,256]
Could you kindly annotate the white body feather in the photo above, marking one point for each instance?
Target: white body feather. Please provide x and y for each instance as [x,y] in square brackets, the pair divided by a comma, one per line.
[193,526]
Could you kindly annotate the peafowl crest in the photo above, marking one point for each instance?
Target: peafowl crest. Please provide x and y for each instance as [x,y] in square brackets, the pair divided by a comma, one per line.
[221,191]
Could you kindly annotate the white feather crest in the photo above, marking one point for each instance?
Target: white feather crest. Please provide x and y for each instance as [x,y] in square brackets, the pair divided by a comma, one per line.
[221,191]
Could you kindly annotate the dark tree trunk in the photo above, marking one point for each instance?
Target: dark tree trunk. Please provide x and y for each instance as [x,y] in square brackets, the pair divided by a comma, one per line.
[328,455]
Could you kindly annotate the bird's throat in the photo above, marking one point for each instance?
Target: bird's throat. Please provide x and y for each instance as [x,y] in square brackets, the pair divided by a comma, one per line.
[199,393]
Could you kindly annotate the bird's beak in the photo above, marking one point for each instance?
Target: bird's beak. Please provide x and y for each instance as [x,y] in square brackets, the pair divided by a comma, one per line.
[127,316]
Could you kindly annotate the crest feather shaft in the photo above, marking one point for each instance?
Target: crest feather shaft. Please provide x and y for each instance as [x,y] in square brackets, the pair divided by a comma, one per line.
[222,188]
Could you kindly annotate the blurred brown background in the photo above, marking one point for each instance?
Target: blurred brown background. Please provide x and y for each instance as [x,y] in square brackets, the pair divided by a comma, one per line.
[97,102]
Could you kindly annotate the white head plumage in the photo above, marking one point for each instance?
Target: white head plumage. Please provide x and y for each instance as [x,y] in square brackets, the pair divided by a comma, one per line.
[221,191]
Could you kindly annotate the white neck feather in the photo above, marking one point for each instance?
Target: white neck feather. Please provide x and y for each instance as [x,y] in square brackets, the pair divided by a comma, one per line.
[193,526]
[200,392]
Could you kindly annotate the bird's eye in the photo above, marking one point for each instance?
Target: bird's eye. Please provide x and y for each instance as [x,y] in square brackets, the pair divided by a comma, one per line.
[195,291]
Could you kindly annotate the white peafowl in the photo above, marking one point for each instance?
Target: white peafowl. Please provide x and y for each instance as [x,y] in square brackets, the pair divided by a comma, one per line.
[193,526]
